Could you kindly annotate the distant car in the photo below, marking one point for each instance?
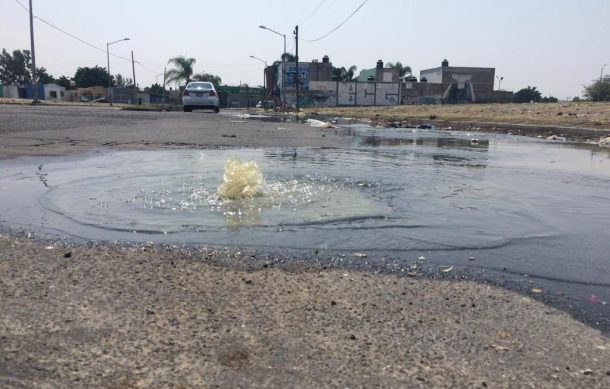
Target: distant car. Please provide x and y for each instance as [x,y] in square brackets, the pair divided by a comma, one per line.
[200,95]
[101,100]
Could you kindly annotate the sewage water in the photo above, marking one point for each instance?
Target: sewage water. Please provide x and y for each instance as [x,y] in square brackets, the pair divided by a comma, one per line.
[518,206]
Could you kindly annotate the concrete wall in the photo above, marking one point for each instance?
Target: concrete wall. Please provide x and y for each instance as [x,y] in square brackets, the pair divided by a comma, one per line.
[52,92]
[433,76]
[502,96]
[10,91]
[420,93]
[70,95]
[386,75]
[387,94]
[242,100]
[321,94]
[481,81]
[346,93]
[320,71]
[365,93]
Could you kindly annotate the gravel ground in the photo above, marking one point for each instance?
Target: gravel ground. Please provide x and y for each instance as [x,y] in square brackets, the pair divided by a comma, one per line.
[124,316]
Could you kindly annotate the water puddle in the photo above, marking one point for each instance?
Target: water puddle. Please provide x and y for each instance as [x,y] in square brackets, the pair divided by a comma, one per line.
[523,207]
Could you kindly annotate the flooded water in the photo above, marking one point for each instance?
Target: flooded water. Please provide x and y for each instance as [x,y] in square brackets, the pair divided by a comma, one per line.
[500,203]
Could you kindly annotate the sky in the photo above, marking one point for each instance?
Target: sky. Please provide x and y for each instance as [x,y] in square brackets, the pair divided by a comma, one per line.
[555,45]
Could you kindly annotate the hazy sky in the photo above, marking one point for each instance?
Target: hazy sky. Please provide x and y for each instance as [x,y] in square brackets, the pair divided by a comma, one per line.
[555,45]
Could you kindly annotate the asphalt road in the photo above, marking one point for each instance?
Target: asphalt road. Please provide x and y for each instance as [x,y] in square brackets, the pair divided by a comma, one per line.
[60,130]
[109,315]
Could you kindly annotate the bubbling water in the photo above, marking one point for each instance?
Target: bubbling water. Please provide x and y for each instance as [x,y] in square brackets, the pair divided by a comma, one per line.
[241,180]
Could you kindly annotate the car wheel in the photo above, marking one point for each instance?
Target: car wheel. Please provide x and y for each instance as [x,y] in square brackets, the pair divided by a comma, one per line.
[216,109]
[188,109]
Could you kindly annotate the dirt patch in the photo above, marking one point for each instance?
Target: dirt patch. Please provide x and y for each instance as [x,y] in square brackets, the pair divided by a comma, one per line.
[583,115]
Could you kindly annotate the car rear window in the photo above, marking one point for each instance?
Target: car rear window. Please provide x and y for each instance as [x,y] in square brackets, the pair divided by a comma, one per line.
[200,85]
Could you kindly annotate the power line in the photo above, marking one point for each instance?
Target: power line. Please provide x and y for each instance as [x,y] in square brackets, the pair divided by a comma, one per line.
[82,40]
[23,6]
[313,12]
[339,26]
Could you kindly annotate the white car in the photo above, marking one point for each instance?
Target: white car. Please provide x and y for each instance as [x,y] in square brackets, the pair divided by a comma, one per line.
[200,95]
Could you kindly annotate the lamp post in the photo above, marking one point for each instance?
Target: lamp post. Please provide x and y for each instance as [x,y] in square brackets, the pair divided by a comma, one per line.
[108,58]
[264,78]
[283,91]
[500,82]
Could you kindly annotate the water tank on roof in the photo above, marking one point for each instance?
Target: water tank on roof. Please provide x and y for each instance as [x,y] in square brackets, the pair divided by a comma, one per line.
[379,64]
[445,63]
[325,59]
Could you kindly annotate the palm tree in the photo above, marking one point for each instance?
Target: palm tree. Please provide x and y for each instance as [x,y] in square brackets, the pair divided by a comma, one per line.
[351,73]
[287,57]
[343,74]
[183,70]
[403,70]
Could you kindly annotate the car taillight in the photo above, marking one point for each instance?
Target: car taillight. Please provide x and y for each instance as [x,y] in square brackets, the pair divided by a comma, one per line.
[186,93]
[212,93]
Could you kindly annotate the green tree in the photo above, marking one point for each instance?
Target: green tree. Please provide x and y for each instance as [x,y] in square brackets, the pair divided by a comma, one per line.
[155,89]
[44,77]
[65,82]
[528,94]
[598,90]
[122,82]
[15,68]
[96,76]
[403,70]
[183,70]
[216,80]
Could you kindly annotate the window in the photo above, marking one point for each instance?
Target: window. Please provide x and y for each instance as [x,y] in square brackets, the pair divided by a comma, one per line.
[53,94]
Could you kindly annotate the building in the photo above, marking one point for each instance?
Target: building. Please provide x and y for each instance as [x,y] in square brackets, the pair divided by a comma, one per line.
[53,92]
[309,72]
[460,84]
[379,74]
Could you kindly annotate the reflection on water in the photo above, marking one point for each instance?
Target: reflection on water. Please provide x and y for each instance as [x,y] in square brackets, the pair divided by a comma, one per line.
[533,207]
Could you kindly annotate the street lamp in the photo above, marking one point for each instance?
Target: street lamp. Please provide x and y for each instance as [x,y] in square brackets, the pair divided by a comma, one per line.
[500,82]
[108,58]
[283,91]
[264,78]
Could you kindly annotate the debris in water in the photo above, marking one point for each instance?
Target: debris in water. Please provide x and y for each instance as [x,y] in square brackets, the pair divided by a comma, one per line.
[241,180]
[319,123]
[593,299]
[536,290]
[447,269]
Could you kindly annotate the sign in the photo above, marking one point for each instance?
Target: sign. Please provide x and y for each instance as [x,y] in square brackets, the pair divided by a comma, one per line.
[291,69]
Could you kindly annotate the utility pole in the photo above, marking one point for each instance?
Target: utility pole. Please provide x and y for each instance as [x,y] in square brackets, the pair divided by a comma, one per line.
[163,91]
[34,75]
[133,70]
[296,80]
[601,79]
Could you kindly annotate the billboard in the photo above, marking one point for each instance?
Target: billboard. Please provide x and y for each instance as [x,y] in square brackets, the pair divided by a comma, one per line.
[291,70]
